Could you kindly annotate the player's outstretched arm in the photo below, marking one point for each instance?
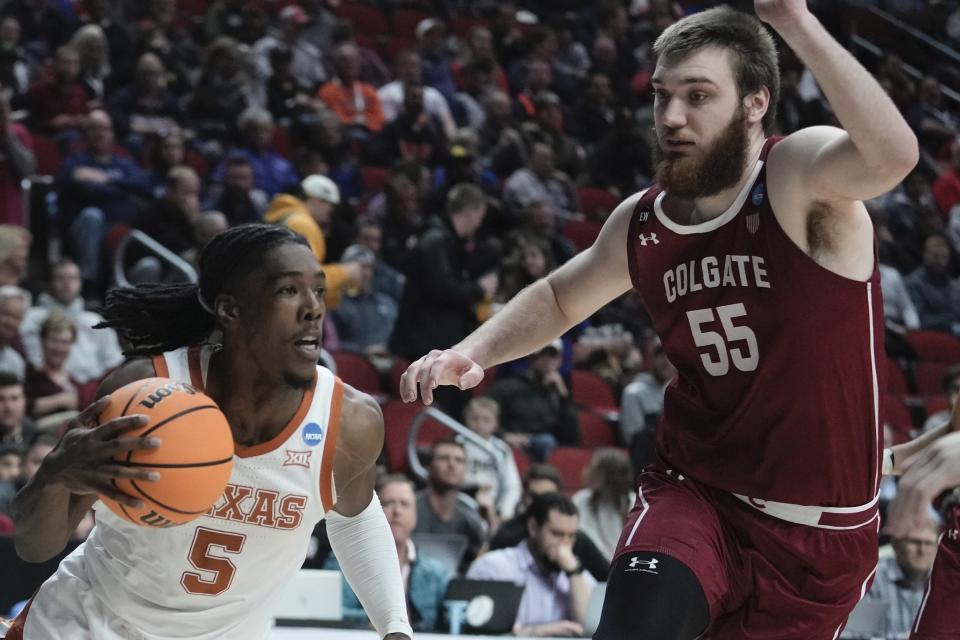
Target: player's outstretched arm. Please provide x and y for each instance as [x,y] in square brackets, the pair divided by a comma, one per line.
[47,510]
[357,527]
[537,315]
[876,148]
[929,465]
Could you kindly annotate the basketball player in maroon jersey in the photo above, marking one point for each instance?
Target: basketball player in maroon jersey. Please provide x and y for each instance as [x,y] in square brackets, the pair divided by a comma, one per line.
[926,475]
[755,258]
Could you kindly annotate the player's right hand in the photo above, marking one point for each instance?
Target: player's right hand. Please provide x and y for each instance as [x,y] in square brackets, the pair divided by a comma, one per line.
[82,461]
[437,368]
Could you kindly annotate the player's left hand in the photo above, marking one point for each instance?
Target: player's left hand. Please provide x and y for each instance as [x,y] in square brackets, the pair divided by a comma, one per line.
[927,473]
[778,13]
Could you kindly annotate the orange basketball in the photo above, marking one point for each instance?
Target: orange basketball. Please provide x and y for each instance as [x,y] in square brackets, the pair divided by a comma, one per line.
[194,459]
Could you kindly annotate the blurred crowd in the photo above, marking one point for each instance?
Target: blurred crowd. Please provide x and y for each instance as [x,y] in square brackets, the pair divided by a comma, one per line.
[439,156]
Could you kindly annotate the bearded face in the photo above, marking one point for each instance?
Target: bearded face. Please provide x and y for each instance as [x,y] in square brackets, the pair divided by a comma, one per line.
[702,172]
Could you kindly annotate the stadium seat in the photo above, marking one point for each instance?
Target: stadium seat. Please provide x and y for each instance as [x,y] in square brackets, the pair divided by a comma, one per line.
[282,143]
[596,431]
[462,25]
[47,154]
[590,390]
[896,380]
[522,460]
[596,204]
[430,431]
[405,22]
[571,461]
[935,346]
[397,416]
[391,47]
[366,20]
[489,377]
[373,178]
[581,233]
[356,370]
[929,376]
[898,416]
[396,371]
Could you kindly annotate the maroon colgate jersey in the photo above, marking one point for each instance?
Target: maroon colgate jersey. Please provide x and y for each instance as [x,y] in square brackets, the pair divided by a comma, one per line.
[781,364]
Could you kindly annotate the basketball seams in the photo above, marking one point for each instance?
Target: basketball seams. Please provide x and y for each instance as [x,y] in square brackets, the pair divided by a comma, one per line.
[135,395]
[160,504]
[170,465]
[165,421]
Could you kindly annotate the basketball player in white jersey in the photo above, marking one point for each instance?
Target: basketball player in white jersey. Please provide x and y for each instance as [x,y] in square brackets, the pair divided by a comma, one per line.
[306,445]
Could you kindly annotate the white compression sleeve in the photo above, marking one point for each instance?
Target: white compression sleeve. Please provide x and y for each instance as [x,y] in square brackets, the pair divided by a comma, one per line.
[367,555]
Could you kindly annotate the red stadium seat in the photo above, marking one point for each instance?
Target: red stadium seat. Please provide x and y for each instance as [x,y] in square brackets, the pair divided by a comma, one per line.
[596,431]
[896,380]
[489,377]
[581,233]
[929,377]
[898,416]
[462,25]
[396,370]
[390,48]
[571,461]
[590,390]
[430,431]
[935,346]
[523,462]
[365,20]
[282,144]
[397,416]
[374,178]
[356,370]
[405,22]
[47,154]
[596,204]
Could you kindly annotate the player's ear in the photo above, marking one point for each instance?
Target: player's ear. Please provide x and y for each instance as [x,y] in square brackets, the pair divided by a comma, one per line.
[756,104]
[227,310]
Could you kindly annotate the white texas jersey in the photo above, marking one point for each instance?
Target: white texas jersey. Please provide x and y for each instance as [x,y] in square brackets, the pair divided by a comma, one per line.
[214,577]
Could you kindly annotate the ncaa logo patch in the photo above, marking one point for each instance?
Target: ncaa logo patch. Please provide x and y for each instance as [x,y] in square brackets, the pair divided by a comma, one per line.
[757,196]
[312,434]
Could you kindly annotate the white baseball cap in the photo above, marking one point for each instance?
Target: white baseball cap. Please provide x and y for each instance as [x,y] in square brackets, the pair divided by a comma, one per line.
[322,187]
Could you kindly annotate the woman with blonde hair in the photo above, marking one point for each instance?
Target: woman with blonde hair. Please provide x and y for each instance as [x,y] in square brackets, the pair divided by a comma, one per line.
[49,388]
[608,498]
[91,46]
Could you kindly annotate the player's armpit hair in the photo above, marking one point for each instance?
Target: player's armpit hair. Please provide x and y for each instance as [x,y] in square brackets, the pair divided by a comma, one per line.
[157,318]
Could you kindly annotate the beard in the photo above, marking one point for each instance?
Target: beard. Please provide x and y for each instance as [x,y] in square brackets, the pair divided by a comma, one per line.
[718,168]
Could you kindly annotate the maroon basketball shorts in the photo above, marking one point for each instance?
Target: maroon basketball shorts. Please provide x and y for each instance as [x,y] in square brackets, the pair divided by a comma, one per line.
[939,615]
[763,577]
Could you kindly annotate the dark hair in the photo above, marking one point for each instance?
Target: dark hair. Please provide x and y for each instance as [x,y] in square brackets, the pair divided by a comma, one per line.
[541,506]
[394,478]
[754,51]
[11,450]
[543,471]
[610,476]
[949,376]
[8,379]
[464,196]
[448,440]
[157,317]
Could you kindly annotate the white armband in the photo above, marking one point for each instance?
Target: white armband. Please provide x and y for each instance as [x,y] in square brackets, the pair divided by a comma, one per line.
[887,461]
[367,554]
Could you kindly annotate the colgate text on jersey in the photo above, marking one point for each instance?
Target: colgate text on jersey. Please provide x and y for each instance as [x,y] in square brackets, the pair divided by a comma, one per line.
[711,272]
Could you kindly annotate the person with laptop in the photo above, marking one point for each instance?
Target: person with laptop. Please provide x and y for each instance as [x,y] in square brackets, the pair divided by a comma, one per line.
[556,587]
[900,581]
[425,578]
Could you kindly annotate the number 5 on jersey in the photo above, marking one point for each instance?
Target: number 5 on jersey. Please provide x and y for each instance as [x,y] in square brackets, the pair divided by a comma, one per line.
[204,540]
[743,360]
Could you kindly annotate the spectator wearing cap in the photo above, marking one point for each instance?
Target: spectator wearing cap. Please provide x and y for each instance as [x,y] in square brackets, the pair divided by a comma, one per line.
[536,411]
[306,59]
[356,103]
[414,134]
[409,70]
[430,34]
[308,215]
[96,351]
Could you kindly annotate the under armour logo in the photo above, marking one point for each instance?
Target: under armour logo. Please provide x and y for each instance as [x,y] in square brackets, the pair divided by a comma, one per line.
[646,566]
[297,458]
[644,239]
